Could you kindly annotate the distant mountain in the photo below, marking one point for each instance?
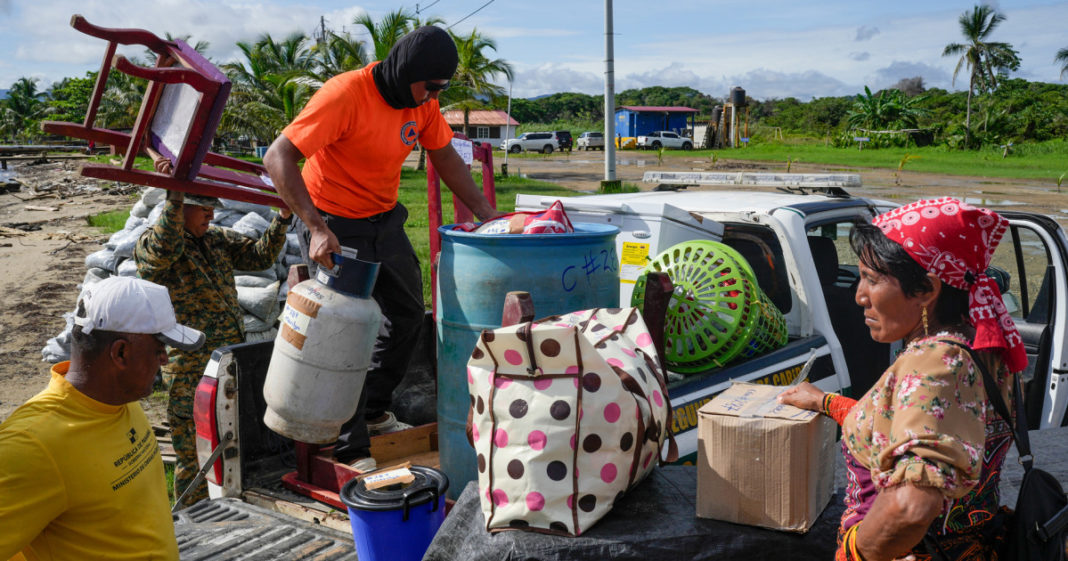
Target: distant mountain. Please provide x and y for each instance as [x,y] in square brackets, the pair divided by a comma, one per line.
[3,94]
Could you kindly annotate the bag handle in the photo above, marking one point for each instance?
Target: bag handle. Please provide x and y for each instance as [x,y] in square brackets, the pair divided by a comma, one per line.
[526,332]
[1019,428]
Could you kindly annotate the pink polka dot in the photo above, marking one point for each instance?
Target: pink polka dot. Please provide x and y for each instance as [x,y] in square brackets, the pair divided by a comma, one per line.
[474,432]
[608,473]
[644,340]
[615,362]
[573,441]
[619,327]
[470,378]
[645,462]
[629,352]
[513,357]
[657,398]
[575,381]
[500,498]
[571,501]
[536,440]
[542,383]
[611,412]
[535,501]
[573,369]
[501,382]
[500,438]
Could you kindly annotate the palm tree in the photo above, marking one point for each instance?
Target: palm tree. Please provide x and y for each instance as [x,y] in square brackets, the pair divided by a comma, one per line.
[387,31]
[1062,57]
[24,105]
[985,59]
[270,86]
[337,54]
[471,83]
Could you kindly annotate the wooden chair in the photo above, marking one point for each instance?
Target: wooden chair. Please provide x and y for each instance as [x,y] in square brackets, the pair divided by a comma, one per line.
[181,109]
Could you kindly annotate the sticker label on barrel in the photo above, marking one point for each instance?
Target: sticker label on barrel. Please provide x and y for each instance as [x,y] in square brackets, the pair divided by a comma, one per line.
[635,257]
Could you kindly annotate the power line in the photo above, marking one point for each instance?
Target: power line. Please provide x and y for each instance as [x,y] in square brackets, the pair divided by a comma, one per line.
[419,8]
[471,14]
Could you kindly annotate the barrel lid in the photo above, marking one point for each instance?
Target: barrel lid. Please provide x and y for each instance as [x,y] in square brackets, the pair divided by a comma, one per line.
[428,485]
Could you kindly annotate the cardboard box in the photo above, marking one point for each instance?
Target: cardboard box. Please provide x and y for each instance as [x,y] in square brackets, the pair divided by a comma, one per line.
[762,463]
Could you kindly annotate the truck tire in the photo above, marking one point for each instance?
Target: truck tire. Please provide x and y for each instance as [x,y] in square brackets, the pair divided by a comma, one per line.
[656,145]
[515,149]
[687,146]
[548,149]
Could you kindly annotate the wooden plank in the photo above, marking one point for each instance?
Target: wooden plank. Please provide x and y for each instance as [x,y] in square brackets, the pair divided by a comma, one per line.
[317,514]
[401,444]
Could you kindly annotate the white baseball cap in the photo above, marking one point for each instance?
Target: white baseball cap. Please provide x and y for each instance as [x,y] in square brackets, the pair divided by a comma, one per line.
[132,305]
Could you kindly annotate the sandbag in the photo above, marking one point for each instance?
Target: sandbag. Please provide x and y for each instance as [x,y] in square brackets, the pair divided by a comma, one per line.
[251,225]
[104,259]
[93,276]
[153,196]
[541,465]
[261,336]
[140,210]
[127,268]
[252,280]
[254,324]
[264,211]
[292,244]
[261,302]
[226,218]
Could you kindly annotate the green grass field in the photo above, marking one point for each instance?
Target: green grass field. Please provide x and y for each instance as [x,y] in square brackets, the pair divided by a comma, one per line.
[1046,160]
[109,222]
[413,190]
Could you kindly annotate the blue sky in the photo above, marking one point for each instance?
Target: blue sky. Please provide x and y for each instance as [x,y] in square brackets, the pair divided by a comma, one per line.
[772,48]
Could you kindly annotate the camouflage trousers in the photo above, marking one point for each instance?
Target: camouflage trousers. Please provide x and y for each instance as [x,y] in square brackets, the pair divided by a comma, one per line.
[184,439]
[181,377]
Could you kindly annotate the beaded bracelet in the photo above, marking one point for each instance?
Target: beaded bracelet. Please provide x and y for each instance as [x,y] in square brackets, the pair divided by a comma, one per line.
[836,406]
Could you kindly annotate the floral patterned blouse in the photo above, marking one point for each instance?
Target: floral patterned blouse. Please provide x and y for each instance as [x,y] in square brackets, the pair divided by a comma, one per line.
[924,421]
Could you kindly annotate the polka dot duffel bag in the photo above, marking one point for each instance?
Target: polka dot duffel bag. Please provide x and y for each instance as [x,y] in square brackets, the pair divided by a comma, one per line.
[567,413]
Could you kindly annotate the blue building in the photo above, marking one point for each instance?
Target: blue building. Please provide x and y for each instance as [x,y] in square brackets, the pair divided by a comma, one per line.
[638,120]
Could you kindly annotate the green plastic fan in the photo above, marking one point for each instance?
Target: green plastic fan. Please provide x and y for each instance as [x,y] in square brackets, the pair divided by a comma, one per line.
[709,318]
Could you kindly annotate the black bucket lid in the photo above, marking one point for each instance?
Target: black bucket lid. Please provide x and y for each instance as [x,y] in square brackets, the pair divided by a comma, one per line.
[428,485]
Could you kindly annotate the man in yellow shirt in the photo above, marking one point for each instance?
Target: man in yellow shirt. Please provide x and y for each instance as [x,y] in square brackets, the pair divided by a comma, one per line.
[80,472]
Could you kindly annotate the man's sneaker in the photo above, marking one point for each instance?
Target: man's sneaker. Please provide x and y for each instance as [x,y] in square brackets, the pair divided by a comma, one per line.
[364,465]
[390,424]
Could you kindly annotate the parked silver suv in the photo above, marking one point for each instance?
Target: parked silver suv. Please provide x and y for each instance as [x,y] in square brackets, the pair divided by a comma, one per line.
[544,142]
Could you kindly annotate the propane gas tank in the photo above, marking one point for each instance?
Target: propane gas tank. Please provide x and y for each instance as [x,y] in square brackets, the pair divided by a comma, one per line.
[323,351]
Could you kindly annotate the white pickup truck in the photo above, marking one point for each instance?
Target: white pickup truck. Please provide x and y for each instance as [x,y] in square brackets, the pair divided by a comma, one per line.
[797,245]
[664,139]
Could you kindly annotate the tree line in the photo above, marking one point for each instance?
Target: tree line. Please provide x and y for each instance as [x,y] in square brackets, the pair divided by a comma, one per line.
[275,78]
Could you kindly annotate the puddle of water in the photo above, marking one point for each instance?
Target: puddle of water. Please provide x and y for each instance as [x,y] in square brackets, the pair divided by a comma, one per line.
[7,175]
[980,201]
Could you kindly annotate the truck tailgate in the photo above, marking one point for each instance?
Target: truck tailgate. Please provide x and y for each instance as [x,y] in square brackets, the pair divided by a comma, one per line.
[222,529]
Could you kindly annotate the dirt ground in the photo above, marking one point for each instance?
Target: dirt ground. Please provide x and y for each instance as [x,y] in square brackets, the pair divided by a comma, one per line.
[45,236]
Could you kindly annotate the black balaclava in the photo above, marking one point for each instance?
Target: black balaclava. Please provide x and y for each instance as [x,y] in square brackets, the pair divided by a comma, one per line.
[428,53]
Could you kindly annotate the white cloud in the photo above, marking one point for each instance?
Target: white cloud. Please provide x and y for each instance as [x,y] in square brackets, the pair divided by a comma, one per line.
[860,57]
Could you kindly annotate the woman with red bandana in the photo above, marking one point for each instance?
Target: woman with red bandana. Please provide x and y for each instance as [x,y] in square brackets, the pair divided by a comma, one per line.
[924,447]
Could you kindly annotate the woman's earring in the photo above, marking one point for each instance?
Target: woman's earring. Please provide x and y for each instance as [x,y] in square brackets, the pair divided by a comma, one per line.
[924,317]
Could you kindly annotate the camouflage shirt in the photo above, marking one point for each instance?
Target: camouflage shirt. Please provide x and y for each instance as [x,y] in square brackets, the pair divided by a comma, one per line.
[199,273]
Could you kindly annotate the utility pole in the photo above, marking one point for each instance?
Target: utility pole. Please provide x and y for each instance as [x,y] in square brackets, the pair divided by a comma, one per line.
[322,30]
[609,97]
[507,125]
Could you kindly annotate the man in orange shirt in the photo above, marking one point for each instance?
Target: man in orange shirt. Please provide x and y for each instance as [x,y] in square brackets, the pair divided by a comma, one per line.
[356,132]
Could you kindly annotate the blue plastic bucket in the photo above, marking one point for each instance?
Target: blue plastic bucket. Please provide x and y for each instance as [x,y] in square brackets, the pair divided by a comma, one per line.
[396,523]
[562,272]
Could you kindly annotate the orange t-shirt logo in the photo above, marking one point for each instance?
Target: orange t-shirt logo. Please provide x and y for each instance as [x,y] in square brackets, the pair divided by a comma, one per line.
[409,134]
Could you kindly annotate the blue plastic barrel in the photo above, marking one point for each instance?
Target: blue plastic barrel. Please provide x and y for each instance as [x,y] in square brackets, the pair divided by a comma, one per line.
[562,272]
[396,523]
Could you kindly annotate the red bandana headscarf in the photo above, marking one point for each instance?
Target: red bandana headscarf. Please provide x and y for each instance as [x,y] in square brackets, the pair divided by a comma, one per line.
[955,241]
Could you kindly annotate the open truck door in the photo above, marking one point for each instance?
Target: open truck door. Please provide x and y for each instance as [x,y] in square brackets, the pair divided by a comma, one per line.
[1032,261]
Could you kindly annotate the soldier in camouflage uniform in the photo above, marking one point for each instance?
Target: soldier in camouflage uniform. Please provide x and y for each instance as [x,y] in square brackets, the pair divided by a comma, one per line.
[196,262]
